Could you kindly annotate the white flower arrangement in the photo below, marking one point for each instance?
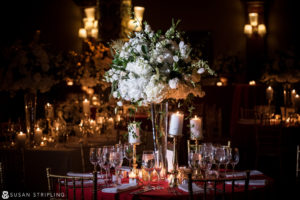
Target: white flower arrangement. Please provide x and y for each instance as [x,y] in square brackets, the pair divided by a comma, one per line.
[152,66]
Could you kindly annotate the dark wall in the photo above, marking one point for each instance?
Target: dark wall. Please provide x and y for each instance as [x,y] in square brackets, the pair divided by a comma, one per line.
[58,21]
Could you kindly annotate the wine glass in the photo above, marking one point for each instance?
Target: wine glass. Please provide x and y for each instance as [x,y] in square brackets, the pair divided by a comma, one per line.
[235,158]
[116,160]
[228,157]
[219,156]
[158,164]
[128,152]
[94,157]
[99,158]
[195,161]
[148,162]
[105,160]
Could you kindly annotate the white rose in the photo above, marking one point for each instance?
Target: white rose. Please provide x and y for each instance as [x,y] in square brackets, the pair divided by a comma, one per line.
[201,71]
[115,94]
[160,59]
[120,103]
[175,58]
[173,83]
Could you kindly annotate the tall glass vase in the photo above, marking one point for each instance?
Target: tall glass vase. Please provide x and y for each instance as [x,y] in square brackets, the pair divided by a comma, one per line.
[159,119]
[30,114]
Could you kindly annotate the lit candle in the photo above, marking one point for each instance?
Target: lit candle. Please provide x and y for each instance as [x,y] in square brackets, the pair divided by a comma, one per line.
[21,139]
[38,135]
[99,120]
[43,144]
[269,93]
[176,124]
[86,106]
[284,97]
[82,33]
[196,128]
[297,102]
[49,113]
[132,178]
[293,95]
[252,83]
[133,133]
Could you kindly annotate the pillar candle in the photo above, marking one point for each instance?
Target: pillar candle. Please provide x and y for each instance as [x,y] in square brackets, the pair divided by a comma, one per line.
[86,106]
[21,139]
[133,133]
[196,128]
[269,93]
[293,95]
[176,124]
[297,102]
[38,135]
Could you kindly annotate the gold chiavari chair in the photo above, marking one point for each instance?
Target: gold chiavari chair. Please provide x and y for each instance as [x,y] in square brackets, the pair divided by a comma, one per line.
[59,183]
[217,193]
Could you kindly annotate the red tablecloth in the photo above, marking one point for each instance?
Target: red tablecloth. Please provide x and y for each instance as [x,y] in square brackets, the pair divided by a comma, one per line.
[164,193]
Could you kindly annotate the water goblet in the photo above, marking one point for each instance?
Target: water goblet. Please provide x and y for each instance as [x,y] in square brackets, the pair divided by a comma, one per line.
[105,160]
[158,164]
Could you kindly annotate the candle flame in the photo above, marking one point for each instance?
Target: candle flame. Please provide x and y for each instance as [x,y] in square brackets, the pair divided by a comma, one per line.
[269,88]
[293,91]
[297,96]
[85,100]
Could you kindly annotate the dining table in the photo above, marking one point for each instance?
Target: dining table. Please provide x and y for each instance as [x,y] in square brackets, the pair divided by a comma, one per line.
[260,186]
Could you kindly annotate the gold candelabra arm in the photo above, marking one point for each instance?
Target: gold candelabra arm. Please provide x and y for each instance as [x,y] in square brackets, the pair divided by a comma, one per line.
[134,164]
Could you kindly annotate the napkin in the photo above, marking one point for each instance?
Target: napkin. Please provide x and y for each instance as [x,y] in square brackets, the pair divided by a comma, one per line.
[121,188]
[239,174]
[84,174]
[259,182]
[185,187]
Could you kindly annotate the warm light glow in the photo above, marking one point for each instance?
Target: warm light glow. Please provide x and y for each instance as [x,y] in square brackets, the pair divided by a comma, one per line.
[219,83]
[96,24]
[252,83]
[248,29]
[262,29]
[297,96]
[21,133]
[269,88]
[90,13]
[132,175]
[69,82]
[94,33]
[294,91]
[82,33]
[138,13]
[88,23]
[253,18]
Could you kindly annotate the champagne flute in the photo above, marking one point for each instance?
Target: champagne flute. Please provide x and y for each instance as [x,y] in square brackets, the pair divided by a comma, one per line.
[158,164]
[94,157]
[148,163]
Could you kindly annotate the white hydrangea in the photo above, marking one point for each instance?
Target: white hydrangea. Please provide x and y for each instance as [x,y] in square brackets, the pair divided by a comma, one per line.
[173,83]
[154,91]
[140,67]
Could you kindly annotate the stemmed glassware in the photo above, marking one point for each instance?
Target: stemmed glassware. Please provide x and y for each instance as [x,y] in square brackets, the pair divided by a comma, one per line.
[219,156]
[158,163]
[148,162]
[116,160]
[94,157]
[195,159]
[105,155]
[228,157]
[235,158]
[128,152]
[99,158]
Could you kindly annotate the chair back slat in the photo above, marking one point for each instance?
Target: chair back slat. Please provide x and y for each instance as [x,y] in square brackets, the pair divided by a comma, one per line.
[219,186]
[74,182]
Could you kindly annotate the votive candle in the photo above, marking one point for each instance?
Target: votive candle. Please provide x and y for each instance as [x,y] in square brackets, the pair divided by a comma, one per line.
[86,106]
